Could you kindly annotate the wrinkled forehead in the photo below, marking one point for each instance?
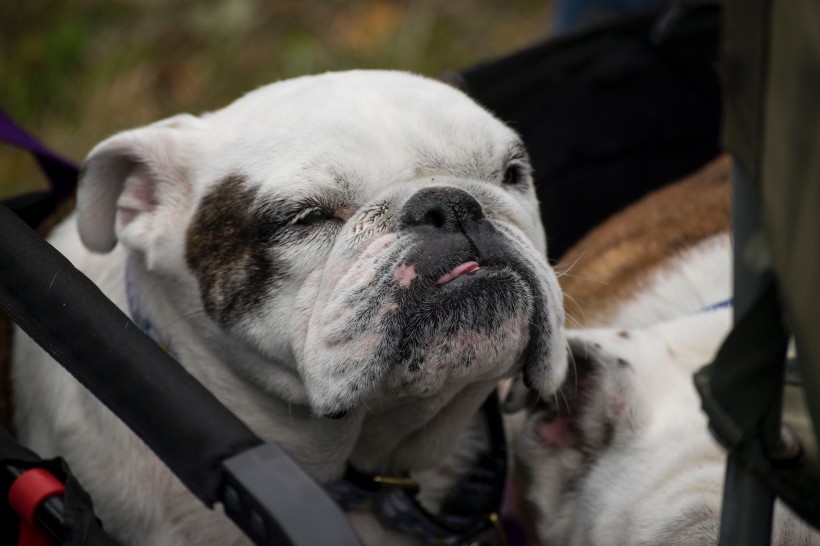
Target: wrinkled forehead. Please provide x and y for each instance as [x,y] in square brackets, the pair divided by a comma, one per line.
[362,125]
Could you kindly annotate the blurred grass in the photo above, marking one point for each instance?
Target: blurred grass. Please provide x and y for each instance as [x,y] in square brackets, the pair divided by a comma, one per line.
[74,72]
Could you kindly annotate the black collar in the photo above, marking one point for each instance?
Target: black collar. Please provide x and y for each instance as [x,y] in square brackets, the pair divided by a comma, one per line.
[470,508]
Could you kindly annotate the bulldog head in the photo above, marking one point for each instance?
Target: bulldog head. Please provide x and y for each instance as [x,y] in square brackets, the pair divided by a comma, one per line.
[349,239]
[622,454]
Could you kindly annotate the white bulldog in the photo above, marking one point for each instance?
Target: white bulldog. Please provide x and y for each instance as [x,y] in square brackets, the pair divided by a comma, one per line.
[349,262]
[622,455]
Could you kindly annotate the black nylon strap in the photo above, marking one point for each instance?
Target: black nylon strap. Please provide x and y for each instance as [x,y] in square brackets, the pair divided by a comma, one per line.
[740,391]
[742,385]
[78,326]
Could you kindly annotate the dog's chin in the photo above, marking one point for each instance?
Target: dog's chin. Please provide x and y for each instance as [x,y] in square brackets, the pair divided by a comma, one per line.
[436,341]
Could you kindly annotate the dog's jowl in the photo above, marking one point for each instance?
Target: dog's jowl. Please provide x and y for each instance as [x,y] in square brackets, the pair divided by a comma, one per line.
[349,262]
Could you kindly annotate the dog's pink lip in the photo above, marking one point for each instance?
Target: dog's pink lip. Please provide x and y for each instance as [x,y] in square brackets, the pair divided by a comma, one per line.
[463,269]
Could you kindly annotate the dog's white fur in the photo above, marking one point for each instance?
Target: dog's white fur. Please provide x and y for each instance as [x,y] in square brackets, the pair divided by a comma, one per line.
[356,147]
[649,472]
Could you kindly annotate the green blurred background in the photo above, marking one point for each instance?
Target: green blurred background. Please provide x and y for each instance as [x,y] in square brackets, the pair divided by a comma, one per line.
[73,72]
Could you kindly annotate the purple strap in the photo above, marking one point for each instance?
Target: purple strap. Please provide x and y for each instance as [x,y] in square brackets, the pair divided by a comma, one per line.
[719,305]
[61,172]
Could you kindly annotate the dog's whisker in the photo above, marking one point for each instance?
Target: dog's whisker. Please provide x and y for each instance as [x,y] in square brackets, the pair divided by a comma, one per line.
[569,318]
[565,400]
[585,279]
[562,269]
[366,407]
[580,309]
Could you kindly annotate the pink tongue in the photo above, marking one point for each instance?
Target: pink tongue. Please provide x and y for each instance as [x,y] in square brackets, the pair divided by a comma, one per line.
[463,269]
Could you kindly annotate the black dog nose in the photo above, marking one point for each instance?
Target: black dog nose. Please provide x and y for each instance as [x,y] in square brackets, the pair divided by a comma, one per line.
[443,208]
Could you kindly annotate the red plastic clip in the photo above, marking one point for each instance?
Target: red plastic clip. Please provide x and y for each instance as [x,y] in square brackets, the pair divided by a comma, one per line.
[26,494]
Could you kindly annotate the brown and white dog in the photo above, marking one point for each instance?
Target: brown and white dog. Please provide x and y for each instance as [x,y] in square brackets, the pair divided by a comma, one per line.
[622,455]
[349,262]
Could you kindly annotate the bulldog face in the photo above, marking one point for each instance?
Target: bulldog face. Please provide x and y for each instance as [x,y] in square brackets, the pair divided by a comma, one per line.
[341,239]
[622,455]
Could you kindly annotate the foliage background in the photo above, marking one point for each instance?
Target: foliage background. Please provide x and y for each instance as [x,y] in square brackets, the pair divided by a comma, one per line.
[76,71]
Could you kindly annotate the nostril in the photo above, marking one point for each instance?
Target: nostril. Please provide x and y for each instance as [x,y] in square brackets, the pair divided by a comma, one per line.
[435,217]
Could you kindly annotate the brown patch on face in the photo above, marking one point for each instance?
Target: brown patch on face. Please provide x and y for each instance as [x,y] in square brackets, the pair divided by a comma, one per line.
[606,267]
[226,252]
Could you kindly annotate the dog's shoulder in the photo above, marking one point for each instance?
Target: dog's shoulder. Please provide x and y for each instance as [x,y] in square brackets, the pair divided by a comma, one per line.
[607,267]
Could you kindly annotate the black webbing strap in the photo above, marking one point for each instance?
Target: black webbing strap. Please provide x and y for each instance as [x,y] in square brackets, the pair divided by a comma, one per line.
[744,382]
[68,518]
[204,444]
[741,391]
[75,323]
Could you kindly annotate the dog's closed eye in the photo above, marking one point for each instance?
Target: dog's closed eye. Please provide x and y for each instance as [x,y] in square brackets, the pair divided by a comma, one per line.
[314,216]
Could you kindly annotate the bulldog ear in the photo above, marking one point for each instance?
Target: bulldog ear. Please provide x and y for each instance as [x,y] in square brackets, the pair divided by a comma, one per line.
[132,184]
[598,400]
